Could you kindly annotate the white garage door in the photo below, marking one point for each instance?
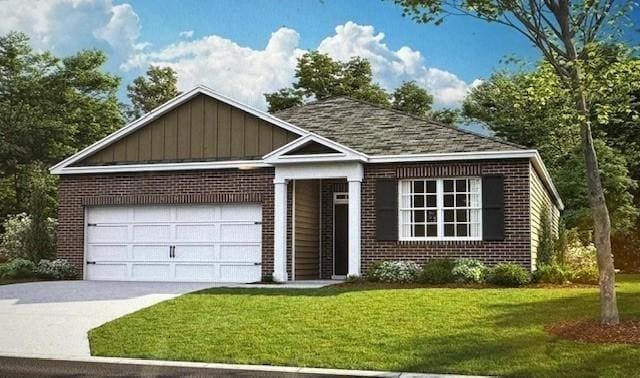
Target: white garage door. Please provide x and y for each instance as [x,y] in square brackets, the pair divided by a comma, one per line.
[212,243]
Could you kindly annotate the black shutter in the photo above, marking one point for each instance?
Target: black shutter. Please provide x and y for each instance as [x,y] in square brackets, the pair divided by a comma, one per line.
[492,207]
[386,209]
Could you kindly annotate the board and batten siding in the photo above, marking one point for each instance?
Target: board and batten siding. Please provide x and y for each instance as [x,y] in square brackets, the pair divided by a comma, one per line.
[202,129]
[307,230]
[539,199]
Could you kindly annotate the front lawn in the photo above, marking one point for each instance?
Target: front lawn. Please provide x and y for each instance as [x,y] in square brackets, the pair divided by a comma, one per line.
[438,330]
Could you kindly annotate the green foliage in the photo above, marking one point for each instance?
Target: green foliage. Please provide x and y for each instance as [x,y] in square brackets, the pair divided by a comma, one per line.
[283,99]
[445,116]
[50,107]
[469,271]
[18,268]
[393,271]
[438,271]
[318,76]
[551,274]
[508,274]
[55,269]
[157,86]
[411,98]
[546,240]
[17,240]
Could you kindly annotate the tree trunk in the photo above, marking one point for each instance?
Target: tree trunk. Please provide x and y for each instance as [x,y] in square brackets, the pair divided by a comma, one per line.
[601,222]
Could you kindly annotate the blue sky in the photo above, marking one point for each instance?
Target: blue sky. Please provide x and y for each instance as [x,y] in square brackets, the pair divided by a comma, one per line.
[244,48]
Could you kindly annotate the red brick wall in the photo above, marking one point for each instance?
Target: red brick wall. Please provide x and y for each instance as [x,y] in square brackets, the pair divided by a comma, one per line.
[515,248]
[75,192]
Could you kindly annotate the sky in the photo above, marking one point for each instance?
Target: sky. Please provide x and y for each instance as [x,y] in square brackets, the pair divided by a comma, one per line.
[243,48]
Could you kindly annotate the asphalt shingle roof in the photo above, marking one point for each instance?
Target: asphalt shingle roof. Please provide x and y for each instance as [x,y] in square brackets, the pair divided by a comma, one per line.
[375,130]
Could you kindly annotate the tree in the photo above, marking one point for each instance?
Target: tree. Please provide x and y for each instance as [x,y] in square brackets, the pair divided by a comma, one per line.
[410,98]
[49,108]
[157,86]
[563,32]
[283,99]
[445,116]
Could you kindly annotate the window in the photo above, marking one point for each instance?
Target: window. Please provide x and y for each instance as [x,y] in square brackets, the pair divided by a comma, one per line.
[440,209]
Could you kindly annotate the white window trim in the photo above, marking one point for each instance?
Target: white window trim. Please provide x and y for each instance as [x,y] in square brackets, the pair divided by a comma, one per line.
[440,210]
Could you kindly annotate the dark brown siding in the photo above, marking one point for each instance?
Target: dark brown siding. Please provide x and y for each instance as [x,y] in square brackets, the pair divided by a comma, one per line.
[307,230]
[202,129]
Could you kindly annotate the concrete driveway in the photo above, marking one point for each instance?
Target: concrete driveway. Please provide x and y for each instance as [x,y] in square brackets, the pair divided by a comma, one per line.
[53,318]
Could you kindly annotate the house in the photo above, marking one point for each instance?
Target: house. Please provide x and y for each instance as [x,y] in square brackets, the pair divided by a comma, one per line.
[205,188]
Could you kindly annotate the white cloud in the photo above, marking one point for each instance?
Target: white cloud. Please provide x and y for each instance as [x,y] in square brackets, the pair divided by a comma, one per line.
[186,34]
[236,71]
[390,68]
[69,25]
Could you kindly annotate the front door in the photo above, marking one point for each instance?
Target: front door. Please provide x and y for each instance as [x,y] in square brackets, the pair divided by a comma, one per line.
[340,234]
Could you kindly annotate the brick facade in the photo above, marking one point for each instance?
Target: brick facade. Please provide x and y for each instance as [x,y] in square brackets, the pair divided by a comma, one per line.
[232,185]
[75,192]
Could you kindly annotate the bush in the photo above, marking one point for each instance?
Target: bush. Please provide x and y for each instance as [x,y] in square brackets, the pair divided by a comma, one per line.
[438,271]
[589,276]
[18,240]
[508,274]
[469,271]
[394,271]
[56,269]
[18,268]
[552,274]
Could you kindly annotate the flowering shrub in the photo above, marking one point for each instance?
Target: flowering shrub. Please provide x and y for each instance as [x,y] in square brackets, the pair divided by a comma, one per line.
[468,271]
[551,273]
[18,238]
[56,269]
[394,271]
[579,256]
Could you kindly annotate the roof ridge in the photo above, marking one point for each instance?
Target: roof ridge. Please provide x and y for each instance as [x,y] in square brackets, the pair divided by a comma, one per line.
[435,123]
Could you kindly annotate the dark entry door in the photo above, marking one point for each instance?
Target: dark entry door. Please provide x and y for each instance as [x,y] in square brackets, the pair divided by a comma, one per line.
[341,239]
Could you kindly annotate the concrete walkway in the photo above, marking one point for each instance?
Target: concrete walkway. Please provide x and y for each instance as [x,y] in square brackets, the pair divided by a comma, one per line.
[53,318]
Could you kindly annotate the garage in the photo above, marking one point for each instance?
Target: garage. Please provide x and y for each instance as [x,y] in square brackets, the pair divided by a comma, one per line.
[180,243]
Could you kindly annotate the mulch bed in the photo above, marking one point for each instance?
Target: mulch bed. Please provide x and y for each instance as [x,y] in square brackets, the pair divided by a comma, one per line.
[592,331]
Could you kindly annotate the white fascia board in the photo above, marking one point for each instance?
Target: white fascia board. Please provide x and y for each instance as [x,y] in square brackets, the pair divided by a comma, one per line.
[238,164]
[491,155]
[153,114]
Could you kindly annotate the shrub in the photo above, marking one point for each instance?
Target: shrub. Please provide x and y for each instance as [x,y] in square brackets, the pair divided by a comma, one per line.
[508,274]
[579,255]
[438,271]
[56,269]
[352,278]
[546,243]
[18,268]
[18,240]
[469,271]
[394,271]
[551,273]
[589,276]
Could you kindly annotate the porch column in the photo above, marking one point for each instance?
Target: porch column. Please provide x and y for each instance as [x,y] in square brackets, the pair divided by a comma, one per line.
[280,232]
[354,228]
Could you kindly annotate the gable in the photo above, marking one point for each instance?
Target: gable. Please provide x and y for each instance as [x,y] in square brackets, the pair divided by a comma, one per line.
[312,148]
[200,129]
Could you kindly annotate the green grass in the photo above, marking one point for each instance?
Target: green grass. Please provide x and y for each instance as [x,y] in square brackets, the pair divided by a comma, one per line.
[441,330]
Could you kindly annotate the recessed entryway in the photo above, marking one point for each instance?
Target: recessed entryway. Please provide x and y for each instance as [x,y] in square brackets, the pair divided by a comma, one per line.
[181,243]
[306,230]
[340,235]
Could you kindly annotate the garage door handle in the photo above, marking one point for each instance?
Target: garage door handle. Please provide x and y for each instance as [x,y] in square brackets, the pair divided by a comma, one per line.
[170,251]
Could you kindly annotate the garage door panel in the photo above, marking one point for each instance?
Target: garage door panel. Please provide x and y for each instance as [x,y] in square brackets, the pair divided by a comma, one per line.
[239,273]
[108,272]
[150,252]
[240,233]
[195,272]
[106,234]
[107,252]
[196,233]
[235,212]
[108,215]
[195,252]
[150,272]
[202,213]
[244,253]
[206,243]
[155,233]
[152,214]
